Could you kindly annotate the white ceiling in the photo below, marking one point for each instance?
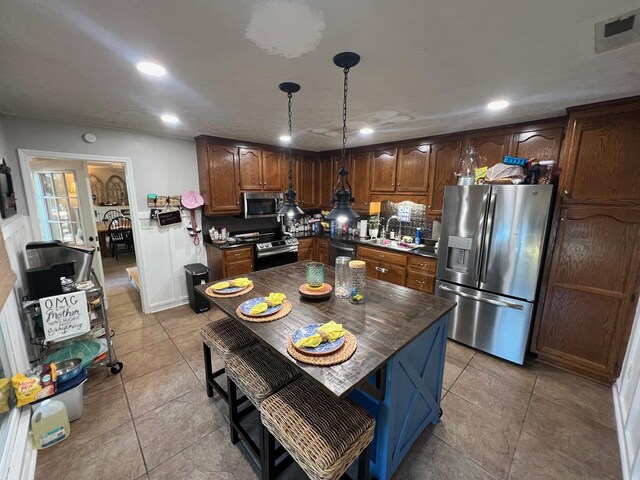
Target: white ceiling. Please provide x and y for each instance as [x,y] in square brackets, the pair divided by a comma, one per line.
[427,66]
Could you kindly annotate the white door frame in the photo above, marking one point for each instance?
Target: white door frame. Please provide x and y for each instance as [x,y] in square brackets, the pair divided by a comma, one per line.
[25,154]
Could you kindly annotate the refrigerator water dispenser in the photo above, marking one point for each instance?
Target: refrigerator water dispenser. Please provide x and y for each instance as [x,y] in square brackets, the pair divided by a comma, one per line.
[459,253]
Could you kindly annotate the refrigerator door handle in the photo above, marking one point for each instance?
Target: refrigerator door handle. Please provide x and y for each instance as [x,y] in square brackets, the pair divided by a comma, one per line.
[478,267]
[498,303]
[488,238]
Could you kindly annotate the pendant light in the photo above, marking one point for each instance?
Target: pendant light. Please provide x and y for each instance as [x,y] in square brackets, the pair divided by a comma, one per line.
[342,199]
[290,209]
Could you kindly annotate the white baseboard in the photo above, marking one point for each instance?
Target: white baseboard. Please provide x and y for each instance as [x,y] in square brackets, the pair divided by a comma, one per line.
[622,440]
[158,307]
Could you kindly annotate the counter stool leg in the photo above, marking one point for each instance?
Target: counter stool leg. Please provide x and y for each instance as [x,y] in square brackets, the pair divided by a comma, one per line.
[267,454]
[232,392]
[363,463]
[208,374]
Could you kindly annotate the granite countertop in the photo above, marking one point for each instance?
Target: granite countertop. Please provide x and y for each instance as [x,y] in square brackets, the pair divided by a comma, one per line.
[346,239]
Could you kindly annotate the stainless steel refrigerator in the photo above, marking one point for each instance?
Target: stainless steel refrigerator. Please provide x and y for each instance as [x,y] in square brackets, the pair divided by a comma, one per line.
[489,261]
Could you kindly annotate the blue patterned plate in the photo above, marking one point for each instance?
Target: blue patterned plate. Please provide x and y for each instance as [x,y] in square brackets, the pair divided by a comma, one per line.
[322,349]
[224,291]
[246,307]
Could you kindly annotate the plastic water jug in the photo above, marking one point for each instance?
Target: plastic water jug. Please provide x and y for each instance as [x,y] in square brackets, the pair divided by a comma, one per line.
[49,424]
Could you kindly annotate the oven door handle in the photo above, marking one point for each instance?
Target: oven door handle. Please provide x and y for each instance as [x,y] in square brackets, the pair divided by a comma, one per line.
[270,253]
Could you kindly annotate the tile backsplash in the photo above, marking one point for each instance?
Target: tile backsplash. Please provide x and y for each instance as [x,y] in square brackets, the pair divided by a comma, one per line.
[416,214]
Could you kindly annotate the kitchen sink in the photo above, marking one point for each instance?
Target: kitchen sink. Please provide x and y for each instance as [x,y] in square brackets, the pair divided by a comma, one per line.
[393,244]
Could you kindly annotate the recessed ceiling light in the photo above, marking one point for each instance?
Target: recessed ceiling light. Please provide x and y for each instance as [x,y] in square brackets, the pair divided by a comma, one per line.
[169,118]
[366,131]
[151,68]
[285,138]
[497,105]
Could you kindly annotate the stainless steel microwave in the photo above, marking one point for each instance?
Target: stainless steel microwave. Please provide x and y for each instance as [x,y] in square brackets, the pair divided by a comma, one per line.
[261,204]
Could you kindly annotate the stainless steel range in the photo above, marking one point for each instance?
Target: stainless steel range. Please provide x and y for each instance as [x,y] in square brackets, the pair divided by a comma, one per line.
[276,253]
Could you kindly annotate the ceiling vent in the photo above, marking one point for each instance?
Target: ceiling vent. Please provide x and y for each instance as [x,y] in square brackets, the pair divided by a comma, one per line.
[618,32]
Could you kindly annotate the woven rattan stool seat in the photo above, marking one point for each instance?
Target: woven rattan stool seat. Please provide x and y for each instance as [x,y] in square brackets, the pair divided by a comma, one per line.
[225,336]
[258,373]
[322,433]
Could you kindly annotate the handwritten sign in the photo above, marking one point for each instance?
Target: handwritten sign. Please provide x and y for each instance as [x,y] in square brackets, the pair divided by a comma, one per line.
[65,316]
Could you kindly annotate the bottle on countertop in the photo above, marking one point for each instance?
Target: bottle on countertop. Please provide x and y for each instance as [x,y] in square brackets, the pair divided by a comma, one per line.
[418,236]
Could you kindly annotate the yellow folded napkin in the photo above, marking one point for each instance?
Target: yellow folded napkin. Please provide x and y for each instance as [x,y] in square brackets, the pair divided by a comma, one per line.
[329,332]
[275,299]
[240,282]
[258,308]
[221,285]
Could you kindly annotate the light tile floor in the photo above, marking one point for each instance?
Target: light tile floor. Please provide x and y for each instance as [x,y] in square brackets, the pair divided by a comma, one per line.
[154,421]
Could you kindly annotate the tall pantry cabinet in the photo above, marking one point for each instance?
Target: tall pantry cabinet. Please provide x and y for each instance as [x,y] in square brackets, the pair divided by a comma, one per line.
[593,274]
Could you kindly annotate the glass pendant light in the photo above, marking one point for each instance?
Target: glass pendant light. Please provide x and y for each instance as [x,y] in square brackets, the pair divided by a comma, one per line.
[290,209]
[342,199]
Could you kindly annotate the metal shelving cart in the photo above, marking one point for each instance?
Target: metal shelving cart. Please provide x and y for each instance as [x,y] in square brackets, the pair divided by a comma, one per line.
[98,318]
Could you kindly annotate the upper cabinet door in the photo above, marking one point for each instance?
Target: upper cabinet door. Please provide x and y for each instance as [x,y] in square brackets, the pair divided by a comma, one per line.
[443,166]
[537,144]
[383,170]
[326,180]
[250,169]
[600,160]
[272,170]
[491,147]
[413,169]
[306,182]
[223,179]
[359,180]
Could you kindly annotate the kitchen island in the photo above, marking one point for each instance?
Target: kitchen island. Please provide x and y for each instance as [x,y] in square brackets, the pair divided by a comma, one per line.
[396,370]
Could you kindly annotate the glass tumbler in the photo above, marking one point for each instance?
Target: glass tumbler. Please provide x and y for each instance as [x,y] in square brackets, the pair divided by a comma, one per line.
[357,270]
[315,274]
[343,277]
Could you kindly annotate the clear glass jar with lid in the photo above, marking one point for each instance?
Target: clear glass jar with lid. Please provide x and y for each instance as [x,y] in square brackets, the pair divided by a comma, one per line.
[358,274]
[469,161]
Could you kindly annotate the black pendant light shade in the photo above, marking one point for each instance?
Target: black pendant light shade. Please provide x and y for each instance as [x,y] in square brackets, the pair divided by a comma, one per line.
[290,208]
[342,211]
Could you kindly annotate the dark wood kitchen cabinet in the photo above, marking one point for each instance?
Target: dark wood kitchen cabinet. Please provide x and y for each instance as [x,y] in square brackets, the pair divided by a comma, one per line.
[592,288]
[592,274]
[412,171]
[306,249]
[326,180]
[260,170]
[359,180]
[601,164]
[218,177]
[224,263]
[539,144]
[307,181]
[383,264]
[322,250]
[491,146]
[443,165]
[382,177]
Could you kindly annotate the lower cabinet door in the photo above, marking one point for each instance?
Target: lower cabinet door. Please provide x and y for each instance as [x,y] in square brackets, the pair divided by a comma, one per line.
[305,254]
[420,281]
[392,273]
[239,268]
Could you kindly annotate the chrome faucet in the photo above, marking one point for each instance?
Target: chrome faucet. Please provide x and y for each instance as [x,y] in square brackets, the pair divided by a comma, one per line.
[392,217]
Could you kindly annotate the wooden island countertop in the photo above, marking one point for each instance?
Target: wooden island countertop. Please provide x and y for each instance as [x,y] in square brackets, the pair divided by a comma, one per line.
[391,318]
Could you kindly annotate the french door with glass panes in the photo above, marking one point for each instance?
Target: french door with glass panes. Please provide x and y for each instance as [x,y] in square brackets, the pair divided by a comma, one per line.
[65,206]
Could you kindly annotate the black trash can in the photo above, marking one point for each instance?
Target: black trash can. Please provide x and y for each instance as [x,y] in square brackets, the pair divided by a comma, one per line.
[197,274]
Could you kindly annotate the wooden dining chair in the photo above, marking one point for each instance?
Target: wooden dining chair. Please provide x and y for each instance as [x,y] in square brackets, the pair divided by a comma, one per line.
[120,233]
[109,215]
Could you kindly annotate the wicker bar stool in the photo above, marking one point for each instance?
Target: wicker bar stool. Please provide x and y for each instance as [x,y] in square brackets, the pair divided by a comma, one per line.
[257,373]
[224,336]
[322,433]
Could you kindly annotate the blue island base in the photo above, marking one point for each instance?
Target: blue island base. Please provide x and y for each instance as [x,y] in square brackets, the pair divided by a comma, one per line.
[407,399]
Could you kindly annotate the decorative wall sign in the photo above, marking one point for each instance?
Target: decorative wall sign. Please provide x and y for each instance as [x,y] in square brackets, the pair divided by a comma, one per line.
[170,217]
[65,316]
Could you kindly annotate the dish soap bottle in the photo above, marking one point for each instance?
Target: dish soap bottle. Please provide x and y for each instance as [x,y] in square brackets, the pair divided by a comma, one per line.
[49,424]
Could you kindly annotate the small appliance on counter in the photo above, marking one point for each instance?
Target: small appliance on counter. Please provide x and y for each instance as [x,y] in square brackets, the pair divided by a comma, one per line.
[51,264]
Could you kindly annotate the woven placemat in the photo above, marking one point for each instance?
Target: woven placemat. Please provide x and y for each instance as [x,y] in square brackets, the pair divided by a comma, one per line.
[284,311]
[209,291]
[339,356]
